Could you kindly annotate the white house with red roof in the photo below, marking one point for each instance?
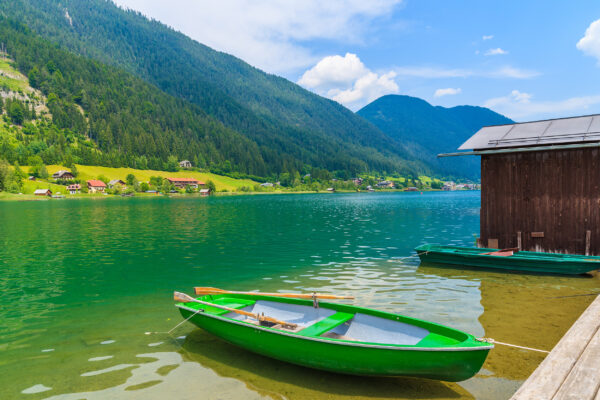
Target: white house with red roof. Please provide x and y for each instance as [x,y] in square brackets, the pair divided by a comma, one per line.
[94,185]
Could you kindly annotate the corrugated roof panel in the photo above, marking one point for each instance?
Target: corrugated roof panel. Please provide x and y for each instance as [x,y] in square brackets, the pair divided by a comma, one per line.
[484,135]
[595,126]
[569,126]
[536,133]
[523,134]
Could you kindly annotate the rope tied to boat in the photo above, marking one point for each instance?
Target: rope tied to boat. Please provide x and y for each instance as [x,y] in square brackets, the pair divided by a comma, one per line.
[493,341]
[406,258]
[178,325]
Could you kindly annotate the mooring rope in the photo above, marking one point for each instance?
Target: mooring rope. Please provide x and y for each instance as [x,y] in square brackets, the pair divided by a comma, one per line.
[405,258]
[490,340]
[176,326]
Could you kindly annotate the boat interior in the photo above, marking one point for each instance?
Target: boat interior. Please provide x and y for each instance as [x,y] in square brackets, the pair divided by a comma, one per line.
[331,324]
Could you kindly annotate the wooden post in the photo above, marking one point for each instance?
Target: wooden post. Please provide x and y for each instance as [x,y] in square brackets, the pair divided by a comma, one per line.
[519,243]
[588,238]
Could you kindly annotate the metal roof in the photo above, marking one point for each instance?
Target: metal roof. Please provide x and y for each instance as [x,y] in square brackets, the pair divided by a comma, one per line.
[537,133]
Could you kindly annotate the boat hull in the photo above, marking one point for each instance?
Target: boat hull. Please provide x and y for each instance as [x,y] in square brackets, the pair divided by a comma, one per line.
[526,261]
[450,364]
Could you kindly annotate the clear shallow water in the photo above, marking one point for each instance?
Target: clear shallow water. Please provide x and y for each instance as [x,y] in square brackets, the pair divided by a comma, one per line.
[82,281]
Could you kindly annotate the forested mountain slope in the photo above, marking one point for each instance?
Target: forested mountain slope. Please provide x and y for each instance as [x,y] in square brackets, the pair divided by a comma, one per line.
[432,130]
[292,128]
[131,122]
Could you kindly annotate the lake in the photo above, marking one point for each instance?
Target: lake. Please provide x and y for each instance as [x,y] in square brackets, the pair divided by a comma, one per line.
[83,281]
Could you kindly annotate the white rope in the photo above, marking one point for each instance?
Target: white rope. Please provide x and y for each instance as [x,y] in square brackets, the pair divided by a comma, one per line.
[405,258]
[178,325]
[490,340]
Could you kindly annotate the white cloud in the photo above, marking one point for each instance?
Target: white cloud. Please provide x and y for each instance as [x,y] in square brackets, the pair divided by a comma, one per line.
[269,34]
[366,89]
[440,72]
[333,71]
[518,105]
[495,52]
[487,37]
[447,92]
[590,42]
[511,72]
[348,81]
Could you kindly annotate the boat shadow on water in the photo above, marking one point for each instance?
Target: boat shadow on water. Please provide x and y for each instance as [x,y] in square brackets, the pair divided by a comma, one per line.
[283,380]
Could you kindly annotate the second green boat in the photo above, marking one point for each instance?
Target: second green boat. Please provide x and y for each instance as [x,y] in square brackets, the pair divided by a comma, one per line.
[340,338]
[510,259]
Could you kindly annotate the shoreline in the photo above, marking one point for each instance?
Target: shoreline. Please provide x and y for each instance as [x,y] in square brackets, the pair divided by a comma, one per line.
[30,197]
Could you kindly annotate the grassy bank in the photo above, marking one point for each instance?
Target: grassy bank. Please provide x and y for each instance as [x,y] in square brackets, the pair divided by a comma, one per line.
[93,172]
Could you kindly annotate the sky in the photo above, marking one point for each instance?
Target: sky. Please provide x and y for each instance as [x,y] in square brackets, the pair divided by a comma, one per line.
[525,59]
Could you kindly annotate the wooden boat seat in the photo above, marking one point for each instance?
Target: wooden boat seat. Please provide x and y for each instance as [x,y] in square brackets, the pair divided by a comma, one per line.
[502,253]
[317,329]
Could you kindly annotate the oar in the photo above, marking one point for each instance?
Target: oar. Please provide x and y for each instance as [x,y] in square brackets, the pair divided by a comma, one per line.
[200,291]
[184,298]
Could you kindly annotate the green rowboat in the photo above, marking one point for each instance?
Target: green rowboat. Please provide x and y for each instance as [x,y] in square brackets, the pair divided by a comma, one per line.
[511,259]
[341,338]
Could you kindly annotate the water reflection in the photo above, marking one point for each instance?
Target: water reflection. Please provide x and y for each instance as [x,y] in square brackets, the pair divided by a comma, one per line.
[161,376]
[76,274]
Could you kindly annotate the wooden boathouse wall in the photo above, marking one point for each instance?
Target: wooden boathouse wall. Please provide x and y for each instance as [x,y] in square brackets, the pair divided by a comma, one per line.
[549,201]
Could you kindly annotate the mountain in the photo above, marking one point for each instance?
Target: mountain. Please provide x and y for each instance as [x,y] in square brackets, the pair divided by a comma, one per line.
[91,113]
[289,128]
[429,130]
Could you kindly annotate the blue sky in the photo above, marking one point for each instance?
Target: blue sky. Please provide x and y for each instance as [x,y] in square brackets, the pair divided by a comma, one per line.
[520,58]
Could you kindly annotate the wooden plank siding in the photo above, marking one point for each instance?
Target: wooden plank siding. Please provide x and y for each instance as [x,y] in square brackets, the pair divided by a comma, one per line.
[556,192]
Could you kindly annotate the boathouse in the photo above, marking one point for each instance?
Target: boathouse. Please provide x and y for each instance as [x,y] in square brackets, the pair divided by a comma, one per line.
[540,185]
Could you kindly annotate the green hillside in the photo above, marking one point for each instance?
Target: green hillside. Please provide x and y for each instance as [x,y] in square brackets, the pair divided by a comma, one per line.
[292,128]
[430,130]
[101,115]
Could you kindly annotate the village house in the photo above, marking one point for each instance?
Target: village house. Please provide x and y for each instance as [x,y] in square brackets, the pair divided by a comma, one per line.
[266,184]
[204,192]
[117,182]
[62,174]
[43,192]
[411,189]
[357,181]
[448,186]
[539,185]
[185,164]
[94,185]
[74,188]
[385,184]
[181,183]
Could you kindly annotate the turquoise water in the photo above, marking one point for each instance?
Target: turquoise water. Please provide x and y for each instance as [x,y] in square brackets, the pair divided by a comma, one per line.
[83,280]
